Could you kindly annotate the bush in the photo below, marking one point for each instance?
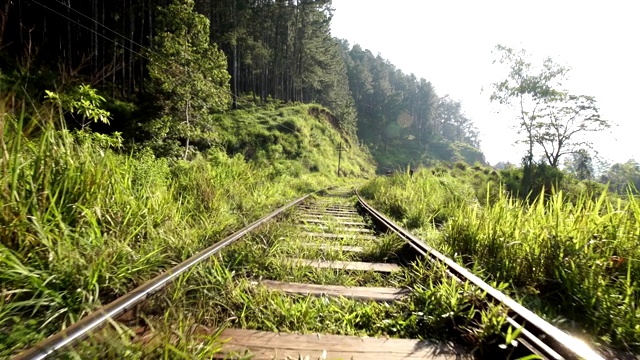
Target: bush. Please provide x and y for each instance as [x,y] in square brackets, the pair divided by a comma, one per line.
[460,165]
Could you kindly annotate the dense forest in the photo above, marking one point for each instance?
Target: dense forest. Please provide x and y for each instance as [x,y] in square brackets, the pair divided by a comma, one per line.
[165,67]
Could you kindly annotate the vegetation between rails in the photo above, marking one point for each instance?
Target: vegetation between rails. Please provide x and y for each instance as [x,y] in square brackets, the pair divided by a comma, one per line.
[223,293]
[570,258]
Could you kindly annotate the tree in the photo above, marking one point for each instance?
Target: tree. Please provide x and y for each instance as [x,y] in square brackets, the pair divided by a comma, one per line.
[453,125]
[189,76]
[527,90]
[551,118]
[621,176]
[566,118]
[425,104]
[580,165]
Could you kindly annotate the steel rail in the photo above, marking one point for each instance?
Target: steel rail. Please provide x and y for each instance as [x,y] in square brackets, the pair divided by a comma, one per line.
[100,317]
[550,341]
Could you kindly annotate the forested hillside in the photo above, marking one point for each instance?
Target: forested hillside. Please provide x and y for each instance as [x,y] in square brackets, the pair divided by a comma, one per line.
[402,119]
[165,67]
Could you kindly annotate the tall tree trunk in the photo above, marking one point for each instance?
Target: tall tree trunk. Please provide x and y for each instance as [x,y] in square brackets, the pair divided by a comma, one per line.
[130,83]
[186,148]
[103,50]
[94,38]
[235,55]
[141,41]
[115,67]
[4,17]
[69,55]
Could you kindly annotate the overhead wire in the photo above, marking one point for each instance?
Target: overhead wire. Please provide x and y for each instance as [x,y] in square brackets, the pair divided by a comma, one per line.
[109,29]
[120,35]
[234,96]
[150,50]
[146,48]
[127,39]
[91,30]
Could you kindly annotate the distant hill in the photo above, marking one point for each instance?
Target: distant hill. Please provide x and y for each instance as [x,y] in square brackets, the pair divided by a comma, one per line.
[402,119]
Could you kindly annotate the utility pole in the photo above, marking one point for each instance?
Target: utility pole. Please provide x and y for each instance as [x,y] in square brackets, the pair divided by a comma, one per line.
[340,149]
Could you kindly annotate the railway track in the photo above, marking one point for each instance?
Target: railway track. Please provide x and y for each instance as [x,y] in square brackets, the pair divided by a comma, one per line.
[334,253]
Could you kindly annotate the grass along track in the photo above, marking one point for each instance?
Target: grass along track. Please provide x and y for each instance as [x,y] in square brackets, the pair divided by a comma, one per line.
[287,279]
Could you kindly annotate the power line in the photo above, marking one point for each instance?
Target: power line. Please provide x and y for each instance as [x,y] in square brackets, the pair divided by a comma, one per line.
[87,28]
[109,29]
[122,36]
[126,38]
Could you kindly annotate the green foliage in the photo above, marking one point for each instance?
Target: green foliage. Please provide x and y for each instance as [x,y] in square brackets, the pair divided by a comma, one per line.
[82,101]
[464,152]
[623,178]
[543,179]
[292,140]
[189,77]
[430,197]
[81,224]
[567,255]
[580,165]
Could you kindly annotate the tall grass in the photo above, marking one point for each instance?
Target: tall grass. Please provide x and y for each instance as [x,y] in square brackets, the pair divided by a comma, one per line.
[574,261]
[184,320]
[580,258]
[81,223]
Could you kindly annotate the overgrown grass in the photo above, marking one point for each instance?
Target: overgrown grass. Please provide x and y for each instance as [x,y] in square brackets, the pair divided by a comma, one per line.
[574,261]
[81,223]
[184,320]
[218,295]
[292,139]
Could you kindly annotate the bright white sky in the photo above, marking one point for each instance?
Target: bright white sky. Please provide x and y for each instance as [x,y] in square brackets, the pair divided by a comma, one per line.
[449,43]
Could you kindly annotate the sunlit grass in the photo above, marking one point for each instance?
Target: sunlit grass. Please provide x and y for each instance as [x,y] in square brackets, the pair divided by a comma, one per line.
[81,223]
[225,292]
[573,260]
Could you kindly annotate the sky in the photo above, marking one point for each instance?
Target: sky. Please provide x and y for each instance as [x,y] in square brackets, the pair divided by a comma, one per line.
[450,43]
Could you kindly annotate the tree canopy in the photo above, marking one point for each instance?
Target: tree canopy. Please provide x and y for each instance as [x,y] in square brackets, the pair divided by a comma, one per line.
[164,66]
[189,78]
[550,117]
